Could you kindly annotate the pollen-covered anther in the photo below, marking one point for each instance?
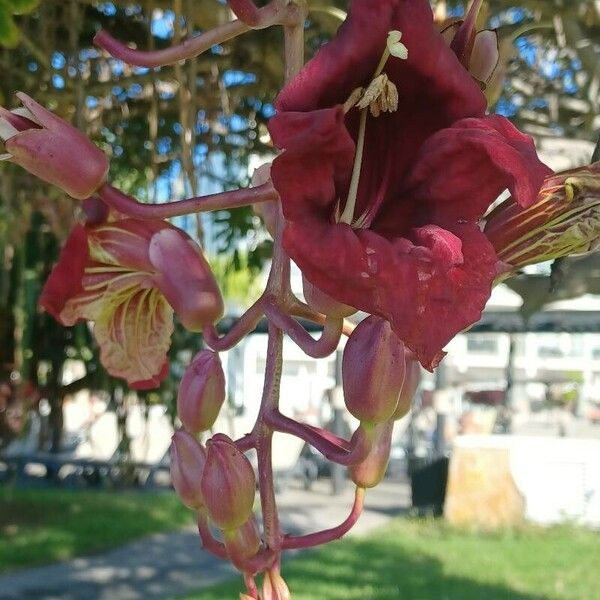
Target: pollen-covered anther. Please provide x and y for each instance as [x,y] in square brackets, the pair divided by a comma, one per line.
[381,96]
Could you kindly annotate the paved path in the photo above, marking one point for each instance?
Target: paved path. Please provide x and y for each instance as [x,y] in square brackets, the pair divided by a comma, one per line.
[165,566]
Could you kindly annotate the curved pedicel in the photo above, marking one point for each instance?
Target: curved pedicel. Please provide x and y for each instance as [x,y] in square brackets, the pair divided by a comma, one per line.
[328,535]
[242,327]
[315,348]
[129,206]
[277,12]
[333,448]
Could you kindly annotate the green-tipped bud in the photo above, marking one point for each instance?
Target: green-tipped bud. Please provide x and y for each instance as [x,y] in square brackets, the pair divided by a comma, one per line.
[242,543]
[371,471]
[565,220]
[201,392]
[188,459]
[409,387]
[228,483]
[373,371]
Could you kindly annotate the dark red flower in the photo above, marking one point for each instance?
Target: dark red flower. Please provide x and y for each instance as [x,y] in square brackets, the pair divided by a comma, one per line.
[400,238]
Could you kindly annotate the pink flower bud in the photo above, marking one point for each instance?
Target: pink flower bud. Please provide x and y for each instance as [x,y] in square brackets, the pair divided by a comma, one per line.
[409,387]
[478,51]
[373,371]
[371,471]
[242,543]
[201,392]
[274,587]
[185,278]
[228,483]
[323,303]
[188,460]
[52,149]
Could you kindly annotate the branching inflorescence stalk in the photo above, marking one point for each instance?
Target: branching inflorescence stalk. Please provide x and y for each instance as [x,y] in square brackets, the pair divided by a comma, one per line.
[277,304]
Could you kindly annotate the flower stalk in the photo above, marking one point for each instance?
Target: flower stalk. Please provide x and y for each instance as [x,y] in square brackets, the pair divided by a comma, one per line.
[423,273]
[127,205]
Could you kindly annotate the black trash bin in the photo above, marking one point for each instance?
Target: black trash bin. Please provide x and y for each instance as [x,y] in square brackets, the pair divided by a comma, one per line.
[428,479]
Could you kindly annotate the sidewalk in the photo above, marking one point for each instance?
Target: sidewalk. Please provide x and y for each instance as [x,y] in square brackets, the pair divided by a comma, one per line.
[165,566]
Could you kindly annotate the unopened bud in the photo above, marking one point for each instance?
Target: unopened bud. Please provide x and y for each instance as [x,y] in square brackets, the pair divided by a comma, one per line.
[373,371]
[274,587]
[564,221]
[185,278]
[242,543]
[228,483]
[201,392]
[371,471]
[52,149]
[323,303]
[188,459]
[409,387]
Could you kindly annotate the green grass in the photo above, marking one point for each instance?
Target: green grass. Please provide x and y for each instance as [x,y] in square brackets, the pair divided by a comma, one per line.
[43,526]
[427,560]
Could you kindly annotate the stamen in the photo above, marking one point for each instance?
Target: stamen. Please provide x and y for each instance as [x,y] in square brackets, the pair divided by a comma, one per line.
[380,96]
[348,213]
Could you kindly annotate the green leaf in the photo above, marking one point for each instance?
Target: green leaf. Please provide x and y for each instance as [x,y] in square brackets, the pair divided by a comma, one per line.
[23,7]
[9,32]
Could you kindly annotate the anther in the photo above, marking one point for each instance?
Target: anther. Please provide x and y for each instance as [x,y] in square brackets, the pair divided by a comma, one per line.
[381,96]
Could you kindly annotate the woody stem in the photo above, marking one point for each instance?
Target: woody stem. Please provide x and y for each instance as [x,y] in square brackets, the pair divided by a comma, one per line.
[278,288]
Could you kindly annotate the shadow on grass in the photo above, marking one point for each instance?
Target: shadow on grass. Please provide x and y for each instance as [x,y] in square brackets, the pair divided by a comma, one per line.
[375,570]
[378,571]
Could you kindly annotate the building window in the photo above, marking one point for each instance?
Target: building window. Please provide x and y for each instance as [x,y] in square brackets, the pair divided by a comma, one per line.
[550,352]
[478,344]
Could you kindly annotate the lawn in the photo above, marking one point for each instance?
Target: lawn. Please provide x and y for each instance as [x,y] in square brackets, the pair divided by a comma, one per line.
[426,560]
[42,526]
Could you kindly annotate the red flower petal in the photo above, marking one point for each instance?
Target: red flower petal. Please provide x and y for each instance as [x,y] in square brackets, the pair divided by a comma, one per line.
[152,383]
[350,60]
[460,170]
[65,280]
[439,277]
[317,143]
